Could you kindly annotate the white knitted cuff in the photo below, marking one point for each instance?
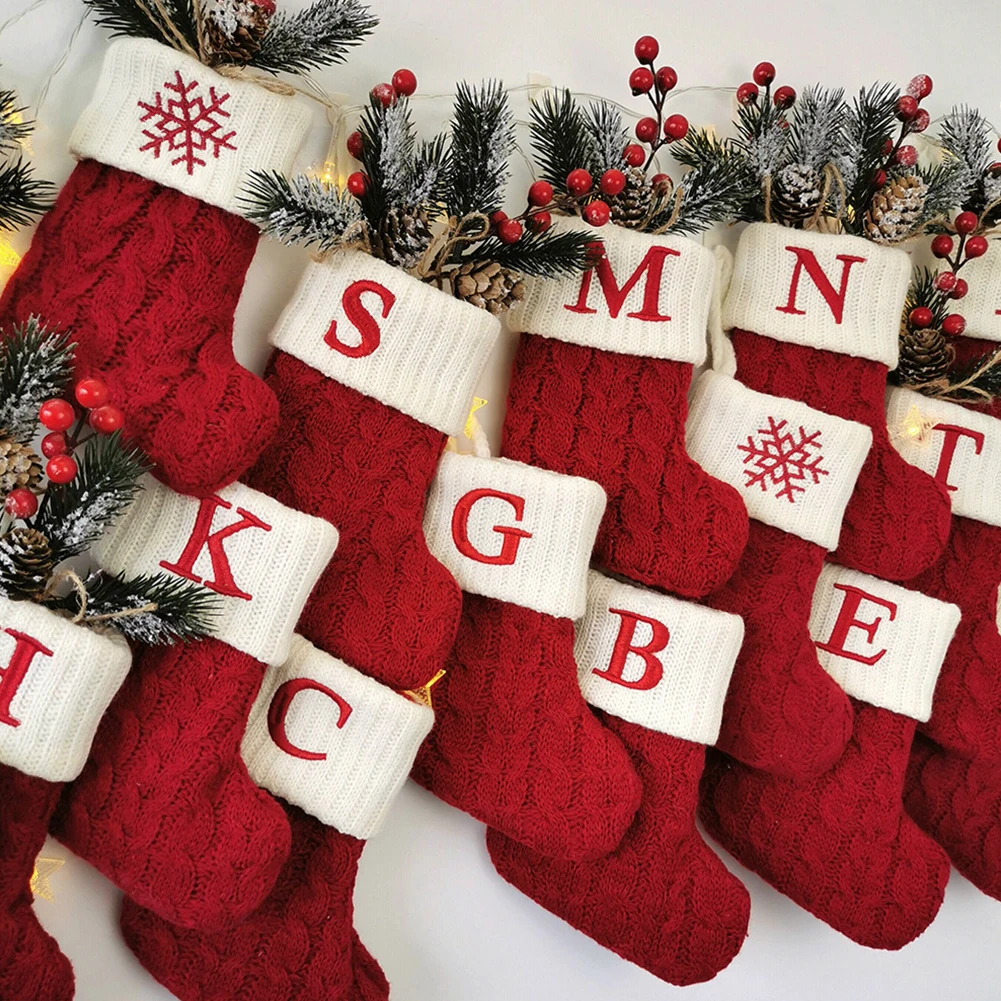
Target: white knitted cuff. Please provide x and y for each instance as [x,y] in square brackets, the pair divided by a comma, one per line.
[880,642]
[839,293]
[56,682]
[385,334]
[514,532]
[958,447]
[332,741]
[260,558]
[794,466]
[981,306]
[649,296]
[166,116]
[655,660]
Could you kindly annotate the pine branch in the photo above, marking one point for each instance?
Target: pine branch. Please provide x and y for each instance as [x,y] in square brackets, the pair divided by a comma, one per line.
[763,137]
[142,20]
[36,364]
[966,146]
[561,140]
[816,130]
[13,127]
[22,196]
[980,379]
[869,122]
[716,191]
[388,144]
[318,36]
[922,292]
[429,174]
[538,255]
[300,210]
[78,512]
[608,138]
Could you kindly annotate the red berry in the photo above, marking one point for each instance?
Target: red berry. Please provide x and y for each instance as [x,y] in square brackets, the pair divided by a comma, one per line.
[540,193]
[966,223]
[921,317]
[763,74]
[634,155]
[509,231]
[920,121]
[976,246]
[21,503]
[106,419]
[960,290]
[660,181]
[920,86]
[54,443]
[647,49]
[358,184]
[676,127]
[641,81]
[906,156]
[999,145]
[879,178]
[496,218]
[384,94]
[941,246]
[784,97]
[887,147]
[667,79]
[268,6]
[646,130]
[953,325]
[579,182]
[356,145]
[946,281]
[61,468]
[747,93]
[907,107]
[612,182]
[597,213]
[404,82]
[995,168]
[91,393]
[539,222]
[56,415]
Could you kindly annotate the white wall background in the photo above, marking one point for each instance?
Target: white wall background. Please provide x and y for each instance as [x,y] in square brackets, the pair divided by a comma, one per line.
[429,905]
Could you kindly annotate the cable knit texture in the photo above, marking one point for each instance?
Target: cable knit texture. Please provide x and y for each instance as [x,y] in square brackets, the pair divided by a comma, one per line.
[619,419]
[164,807]
[662,899]
[783,711]
[148,279]
[875,539]
[841,845]
[515,745]
[31,966]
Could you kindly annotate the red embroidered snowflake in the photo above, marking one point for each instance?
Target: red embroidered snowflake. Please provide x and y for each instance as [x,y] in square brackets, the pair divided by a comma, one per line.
[186,123]
[791,463]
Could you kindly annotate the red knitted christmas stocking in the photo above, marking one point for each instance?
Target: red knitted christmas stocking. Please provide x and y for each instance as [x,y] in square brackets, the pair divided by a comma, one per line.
[599,390]
[514,744]
[662,899]
[165,808]
[825,311]
[841,845]
[339,746]
[143,256]
[796,468]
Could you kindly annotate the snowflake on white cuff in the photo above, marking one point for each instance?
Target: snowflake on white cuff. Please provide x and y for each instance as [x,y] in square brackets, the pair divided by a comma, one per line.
[791,463]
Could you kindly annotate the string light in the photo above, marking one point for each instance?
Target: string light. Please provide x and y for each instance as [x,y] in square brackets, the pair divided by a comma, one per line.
[44,869]
[9,257]
[915,427]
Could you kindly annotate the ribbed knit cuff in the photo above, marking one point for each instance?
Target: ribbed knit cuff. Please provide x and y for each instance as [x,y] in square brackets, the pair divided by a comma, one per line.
[958,447]
[838,293]
[385,334]
[57,681]
[332,741]
[880,642]
[655,660]
[258,557]
[166,116]
[794,466]
[981,306]
[514,532]
[648,296]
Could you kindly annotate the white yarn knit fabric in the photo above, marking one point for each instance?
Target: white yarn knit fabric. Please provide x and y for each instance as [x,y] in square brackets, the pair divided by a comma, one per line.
[372,327]
[981,306]
[56,688]
[166,116]
[514,532]
[678,658]
[891,642]
[794,466]
[349,742]
[273,565]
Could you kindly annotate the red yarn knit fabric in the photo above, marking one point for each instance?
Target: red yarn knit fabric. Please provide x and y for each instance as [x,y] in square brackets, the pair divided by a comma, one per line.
[662,899]
[958,802]
[31,966]
[147,279]
[384,603]
[840,846]
[875,539]
[300,945]
[164,807]
[515,745]
[783,713]
[619,420]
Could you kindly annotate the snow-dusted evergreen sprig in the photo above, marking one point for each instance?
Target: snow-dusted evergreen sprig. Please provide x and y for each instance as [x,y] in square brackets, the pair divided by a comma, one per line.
[36,364]
[22,195]
[763,136]
[14,129]
[389,144]
[713,192]
[965,139]
[609,138]
[817,127]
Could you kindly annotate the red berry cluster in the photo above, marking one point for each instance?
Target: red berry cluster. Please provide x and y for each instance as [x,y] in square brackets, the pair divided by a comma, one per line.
[764,73]
[913,119]
[655,84]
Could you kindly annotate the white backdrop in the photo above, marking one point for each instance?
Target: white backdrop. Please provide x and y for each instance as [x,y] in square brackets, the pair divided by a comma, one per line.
[429,906]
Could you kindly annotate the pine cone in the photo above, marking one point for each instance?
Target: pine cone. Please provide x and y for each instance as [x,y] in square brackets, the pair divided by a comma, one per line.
[402,238]
[26,561]
[632,206]
[925,356]
[896,209]
[489,286]
[19,467]
[795,194]
[234,30]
